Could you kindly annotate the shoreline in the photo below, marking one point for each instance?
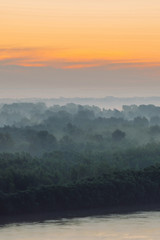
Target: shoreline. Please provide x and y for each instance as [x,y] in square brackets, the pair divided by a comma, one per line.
[69,214]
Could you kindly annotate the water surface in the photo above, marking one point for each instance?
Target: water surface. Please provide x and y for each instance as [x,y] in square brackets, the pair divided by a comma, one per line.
[137,226]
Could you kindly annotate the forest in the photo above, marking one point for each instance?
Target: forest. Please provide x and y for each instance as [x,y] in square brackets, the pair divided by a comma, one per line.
[78,157]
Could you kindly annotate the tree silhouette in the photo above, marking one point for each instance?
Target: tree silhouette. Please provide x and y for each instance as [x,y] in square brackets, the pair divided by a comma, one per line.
[118,135]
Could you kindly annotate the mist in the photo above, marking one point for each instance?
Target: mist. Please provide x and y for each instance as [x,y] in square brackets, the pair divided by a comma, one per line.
[41,127]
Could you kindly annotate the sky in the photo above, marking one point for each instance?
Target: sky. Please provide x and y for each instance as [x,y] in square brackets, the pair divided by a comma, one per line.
[85,48]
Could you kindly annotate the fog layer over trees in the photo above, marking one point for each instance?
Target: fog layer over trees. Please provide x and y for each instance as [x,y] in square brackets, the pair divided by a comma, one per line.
[49,154]
[37,129]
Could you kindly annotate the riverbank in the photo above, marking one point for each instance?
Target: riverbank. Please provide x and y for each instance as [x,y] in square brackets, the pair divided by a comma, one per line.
[58,215]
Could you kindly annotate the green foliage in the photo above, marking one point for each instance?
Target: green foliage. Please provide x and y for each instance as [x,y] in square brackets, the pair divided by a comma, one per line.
[73,157]
[117,188]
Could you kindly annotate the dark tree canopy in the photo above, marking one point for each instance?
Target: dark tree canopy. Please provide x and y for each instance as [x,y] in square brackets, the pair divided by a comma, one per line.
[118,135]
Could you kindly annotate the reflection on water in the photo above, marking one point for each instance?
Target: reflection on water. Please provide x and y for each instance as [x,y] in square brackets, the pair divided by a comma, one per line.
[137,226]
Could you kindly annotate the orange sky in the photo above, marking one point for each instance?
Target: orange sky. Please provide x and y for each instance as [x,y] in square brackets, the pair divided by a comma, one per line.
[79,48]
[55,33]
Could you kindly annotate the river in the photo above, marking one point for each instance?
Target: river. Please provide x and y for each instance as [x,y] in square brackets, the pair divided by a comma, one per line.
[133,226]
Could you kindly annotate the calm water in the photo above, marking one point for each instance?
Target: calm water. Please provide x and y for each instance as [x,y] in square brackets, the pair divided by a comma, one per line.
[139,226]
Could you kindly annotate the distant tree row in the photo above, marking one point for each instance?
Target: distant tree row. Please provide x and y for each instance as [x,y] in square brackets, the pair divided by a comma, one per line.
[29,114]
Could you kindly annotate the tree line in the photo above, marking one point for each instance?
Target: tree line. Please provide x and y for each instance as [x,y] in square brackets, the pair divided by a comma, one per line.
[78,157]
